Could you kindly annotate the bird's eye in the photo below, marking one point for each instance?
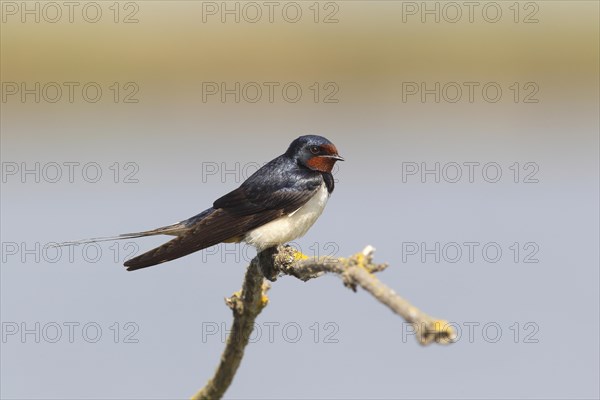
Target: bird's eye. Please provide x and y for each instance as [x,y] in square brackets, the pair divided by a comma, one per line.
[314,149]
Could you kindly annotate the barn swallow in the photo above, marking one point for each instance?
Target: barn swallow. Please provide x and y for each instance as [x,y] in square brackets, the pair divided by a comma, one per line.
[275,205]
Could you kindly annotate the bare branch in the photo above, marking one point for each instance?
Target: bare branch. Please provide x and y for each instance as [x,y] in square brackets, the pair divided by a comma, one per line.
[355,271]
[246,305]
[359,270]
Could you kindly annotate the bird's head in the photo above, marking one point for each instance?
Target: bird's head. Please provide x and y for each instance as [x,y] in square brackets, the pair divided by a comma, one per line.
[314,152]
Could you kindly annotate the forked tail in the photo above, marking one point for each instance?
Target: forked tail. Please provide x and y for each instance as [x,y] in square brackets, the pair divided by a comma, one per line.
[174,230]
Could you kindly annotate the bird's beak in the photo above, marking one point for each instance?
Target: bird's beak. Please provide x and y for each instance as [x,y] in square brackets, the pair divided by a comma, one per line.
[335,157]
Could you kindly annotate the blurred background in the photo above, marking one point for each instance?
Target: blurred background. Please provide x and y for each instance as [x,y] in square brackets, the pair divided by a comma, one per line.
[470,133]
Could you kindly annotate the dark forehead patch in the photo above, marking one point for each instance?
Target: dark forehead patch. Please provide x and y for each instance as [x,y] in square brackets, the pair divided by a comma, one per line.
[330,148]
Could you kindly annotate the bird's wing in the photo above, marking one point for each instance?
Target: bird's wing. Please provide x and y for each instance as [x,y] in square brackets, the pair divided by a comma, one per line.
[233,215]
[247,200]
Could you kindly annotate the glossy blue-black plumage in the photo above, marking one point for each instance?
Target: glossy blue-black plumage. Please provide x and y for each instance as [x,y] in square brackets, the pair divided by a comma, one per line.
[280,187]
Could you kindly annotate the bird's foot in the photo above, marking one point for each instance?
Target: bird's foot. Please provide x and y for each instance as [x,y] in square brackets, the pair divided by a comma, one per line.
[266,259]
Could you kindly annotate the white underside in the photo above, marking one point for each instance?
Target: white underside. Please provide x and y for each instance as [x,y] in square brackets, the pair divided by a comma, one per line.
[291,226]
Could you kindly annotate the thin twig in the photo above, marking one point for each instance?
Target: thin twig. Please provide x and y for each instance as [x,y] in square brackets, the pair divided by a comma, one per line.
[359,270]
[246,305]
[355,271]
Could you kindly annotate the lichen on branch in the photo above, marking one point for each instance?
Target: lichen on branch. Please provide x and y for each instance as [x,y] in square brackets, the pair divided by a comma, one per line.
[355,271]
